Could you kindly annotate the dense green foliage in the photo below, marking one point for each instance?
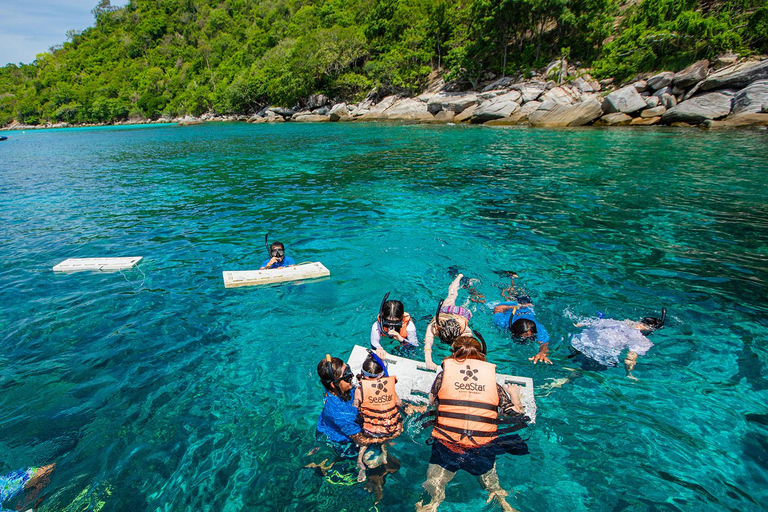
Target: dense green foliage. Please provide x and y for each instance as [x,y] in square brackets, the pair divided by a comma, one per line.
[175,57]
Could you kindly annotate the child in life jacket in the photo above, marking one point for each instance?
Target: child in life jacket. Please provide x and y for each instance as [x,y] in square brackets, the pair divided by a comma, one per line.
[395,324]
[379,409]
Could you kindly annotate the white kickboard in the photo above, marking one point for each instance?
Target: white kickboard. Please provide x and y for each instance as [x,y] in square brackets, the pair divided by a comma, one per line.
[414,380]
[78,264]
[235,278]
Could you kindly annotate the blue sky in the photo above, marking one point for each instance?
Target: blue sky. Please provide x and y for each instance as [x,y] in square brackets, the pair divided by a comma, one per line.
[29,27]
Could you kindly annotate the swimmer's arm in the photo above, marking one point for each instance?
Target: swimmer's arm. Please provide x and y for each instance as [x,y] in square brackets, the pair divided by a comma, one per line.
[429,340]
[358,398]
[509,399]
[376,337]
[501,308]
[413,337]
[629,364]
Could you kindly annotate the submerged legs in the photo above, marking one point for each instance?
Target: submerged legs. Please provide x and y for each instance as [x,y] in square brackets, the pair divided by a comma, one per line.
[437,479]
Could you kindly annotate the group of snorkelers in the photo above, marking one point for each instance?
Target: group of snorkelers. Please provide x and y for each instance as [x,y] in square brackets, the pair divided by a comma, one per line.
[473,419]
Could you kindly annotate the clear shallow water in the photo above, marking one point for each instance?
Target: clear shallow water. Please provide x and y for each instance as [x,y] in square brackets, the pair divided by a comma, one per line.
[158,389]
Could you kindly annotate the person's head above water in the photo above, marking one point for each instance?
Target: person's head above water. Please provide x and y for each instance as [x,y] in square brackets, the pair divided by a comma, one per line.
[651,323]
[335,376]
[391,314]
[467,347]
[522,328]
[448,329]
[277,250]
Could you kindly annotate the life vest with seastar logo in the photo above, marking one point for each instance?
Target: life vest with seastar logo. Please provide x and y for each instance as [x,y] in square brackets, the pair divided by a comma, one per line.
[378,408]
[467,403]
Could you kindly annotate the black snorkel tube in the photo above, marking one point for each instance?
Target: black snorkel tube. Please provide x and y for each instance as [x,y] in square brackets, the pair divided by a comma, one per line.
[479,337]
[437,317]
[381,312]
[663,317]
[266,243]
[334,380]
[378,361]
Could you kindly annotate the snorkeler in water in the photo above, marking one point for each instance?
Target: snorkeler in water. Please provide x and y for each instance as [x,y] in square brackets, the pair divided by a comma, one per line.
[277,257]
[604,339]
[517,315]
[449,323]
[337,423]
[395,324]
[25,484]
[379,408]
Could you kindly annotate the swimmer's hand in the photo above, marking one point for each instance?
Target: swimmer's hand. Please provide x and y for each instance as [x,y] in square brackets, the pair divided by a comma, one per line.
[540,357]
[430,365]
[381,353]
[271,262]
[396,335]
[410,409]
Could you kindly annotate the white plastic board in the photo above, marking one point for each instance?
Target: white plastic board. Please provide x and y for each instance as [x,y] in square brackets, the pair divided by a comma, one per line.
[414,380]
[78,264]
[235,278]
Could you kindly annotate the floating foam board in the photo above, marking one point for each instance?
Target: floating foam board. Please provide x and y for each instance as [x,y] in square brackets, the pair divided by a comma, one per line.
[235,278]
[414,380]
[78,264]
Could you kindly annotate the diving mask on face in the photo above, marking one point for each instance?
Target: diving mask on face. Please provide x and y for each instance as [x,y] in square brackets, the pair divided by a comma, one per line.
[388,325]
[277,252]
[347,375]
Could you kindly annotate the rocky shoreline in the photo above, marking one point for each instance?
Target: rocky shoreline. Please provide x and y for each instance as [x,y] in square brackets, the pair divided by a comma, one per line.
[723,94]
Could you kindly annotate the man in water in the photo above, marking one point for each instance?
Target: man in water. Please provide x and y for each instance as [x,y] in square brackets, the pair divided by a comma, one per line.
[277,259]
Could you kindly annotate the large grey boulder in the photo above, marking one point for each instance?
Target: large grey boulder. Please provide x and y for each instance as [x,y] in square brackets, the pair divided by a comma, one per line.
[641,85]
[714,105]
[653,112]
[338,112]
[562,95]
[668,100]
[555,114]
[652,101]
[408,109]
[626,100]
[455,102]
[317,101]
[615,119]
[497,108]
[282,111]
[661,80]
[737,77]
[694,73]
[586,85]
[309,118]
[374,111]
[530,91]
[751,98]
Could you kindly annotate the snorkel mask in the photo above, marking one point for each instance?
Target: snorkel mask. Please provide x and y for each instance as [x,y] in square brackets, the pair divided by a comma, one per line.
[437,317]
[653,323]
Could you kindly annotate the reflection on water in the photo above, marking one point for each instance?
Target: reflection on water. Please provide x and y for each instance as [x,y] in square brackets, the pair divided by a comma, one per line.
[158,389]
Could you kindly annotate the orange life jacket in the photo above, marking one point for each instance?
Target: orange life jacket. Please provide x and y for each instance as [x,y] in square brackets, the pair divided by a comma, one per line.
[467,403]
[378,408]
[403,332]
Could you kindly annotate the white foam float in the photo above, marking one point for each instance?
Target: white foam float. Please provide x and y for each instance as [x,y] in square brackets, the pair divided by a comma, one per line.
[235,278]
[414,380]
[99,264]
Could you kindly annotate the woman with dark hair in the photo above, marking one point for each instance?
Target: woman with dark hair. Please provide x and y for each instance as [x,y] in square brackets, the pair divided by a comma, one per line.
[465,435]
[337,423]
[450,322]
[393,323]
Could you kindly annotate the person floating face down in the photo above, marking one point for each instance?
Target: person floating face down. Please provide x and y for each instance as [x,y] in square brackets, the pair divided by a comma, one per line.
[519,317]
[605,339]
[379,408]
[24,485]
[466,434]
[450,322]
[277,257]
[395,324]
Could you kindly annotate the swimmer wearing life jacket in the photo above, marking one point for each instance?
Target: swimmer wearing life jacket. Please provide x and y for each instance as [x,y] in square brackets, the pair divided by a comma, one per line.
[392,323]
[449,323]
[337,423]
[466,433]
[277,257]
[379,408]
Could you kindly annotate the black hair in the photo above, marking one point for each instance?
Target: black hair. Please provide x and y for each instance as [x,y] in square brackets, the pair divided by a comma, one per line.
[330,376]
[467,347]
[392,309]
[653,323]
[449,330]
[522,326]
[370,365]
[276,244]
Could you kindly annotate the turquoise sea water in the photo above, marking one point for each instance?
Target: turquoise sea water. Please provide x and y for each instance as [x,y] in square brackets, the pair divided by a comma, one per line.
[159,389]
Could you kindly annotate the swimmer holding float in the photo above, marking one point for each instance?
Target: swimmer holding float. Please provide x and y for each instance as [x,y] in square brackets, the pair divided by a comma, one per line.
[277,257]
